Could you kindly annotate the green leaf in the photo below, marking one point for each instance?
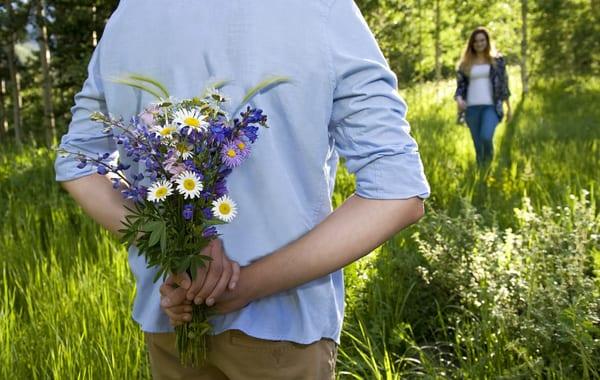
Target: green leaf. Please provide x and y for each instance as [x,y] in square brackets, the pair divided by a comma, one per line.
[214,222]
[259,87]
[153,225]
[138,86]
[156,83]
[163,241]
[154,237]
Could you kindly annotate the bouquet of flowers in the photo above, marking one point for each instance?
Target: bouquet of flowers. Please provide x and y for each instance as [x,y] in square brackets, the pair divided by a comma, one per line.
[187,149]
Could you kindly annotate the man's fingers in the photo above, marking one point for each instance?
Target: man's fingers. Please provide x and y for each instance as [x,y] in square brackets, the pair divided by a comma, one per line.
[221,285]
[201,272]
[198,282]
[172,297]
[182,279]
[178,316]
[215,270]
[235,275]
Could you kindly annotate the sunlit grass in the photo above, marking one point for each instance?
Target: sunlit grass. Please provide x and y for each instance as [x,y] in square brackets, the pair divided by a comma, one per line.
[66,290]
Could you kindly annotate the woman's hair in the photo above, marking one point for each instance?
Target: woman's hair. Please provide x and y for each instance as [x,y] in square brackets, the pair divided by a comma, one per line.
[469,54]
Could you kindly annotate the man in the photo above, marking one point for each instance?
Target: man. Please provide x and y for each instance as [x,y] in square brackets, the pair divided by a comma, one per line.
[281,316]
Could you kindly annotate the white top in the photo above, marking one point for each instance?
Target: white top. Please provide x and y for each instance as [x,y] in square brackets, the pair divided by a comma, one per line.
[479,91]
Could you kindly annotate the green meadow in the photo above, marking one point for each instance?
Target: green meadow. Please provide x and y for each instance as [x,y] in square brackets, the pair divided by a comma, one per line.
[498,281]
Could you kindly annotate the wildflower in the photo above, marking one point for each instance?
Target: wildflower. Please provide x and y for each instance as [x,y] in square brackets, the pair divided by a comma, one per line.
[164,131]
[224,208]
[192,119]
[231,155]
[159,191]
[189,184]
[188,211]
[185,150]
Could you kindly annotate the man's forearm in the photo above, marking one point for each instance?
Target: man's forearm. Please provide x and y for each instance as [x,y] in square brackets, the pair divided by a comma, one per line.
[95,194]
[350,232]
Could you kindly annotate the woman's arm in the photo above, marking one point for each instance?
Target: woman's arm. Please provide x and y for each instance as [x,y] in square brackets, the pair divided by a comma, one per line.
[461,89]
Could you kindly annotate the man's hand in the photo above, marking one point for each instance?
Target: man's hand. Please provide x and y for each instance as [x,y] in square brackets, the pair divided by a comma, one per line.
[180,308]
[211,280]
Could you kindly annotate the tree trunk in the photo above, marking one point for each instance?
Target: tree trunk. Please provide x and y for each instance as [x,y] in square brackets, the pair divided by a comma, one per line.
[3,118]
[524,46]
[94,23]
[14,78]
[420,40]
[438,42]
[49,120]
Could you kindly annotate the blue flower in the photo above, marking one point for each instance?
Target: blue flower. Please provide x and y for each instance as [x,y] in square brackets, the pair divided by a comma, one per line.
[209,232]
[102,170]
[250,132]
[188,211]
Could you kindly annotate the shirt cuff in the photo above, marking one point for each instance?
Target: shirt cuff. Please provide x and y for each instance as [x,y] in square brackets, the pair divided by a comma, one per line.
[399,176]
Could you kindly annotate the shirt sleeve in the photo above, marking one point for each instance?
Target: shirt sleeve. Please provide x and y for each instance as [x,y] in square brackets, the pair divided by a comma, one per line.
[84,135]
[368,120]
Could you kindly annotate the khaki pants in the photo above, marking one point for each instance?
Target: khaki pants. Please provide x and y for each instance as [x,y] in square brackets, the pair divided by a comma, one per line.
[234,355]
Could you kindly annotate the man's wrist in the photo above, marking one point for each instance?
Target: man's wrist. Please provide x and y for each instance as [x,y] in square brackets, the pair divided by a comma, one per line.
[248,285]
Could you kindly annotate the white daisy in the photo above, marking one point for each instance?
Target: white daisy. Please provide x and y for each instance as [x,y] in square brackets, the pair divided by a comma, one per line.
[159,191]
[165,131]
[190,118]
[224,208]
[185,150]
[189,184]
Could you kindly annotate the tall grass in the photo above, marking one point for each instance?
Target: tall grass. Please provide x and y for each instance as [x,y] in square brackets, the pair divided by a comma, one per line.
[66,288]
[497,281]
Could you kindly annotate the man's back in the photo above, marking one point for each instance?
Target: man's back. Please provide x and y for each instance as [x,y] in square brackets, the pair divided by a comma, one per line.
[342,100]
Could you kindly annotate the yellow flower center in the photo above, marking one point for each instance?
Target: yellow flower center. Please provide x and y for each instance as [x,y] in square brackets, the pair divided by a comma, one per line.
[241,145]
[182,148]
[231,153]
[166,131]
[189,184]
[224,208]
[161,192]
[192,122]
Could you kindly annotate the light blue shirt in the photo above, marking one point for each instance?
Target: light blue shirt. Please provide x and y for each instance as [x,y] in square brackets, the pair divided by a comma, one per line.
[343,102]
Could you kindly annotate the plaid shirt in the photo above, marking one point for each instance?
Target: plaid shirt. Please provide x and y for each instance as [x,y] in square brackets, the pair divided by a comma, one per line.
[499,78]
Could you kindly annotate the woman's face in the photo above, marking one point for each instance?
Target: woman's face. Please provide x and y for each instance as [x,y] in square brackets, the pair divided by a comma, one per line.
[480,43]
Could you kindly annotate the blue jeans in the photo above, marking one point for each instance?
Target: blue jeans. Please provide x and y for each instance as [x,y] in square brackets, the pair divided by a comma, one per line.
[482,121]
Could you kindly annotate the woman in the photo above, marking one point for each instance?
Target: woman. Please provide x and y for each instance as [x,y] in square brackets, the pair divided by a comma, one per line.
[482,88]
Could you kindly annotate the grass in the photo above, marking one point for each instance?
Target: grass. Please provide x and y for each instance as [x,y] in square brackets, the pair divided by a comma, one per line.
[66,290]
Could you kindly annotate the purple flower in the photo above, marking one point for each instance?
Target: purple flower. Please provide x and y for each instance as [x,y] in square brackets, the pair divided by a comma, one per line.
[243,147]
[147,117]
[231,155]
[218,132]
[207,213]
[188,211]
[250,132]
[136,193]
[254,116]
[209,232]
[102,170]
[122,166]
[220,189]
